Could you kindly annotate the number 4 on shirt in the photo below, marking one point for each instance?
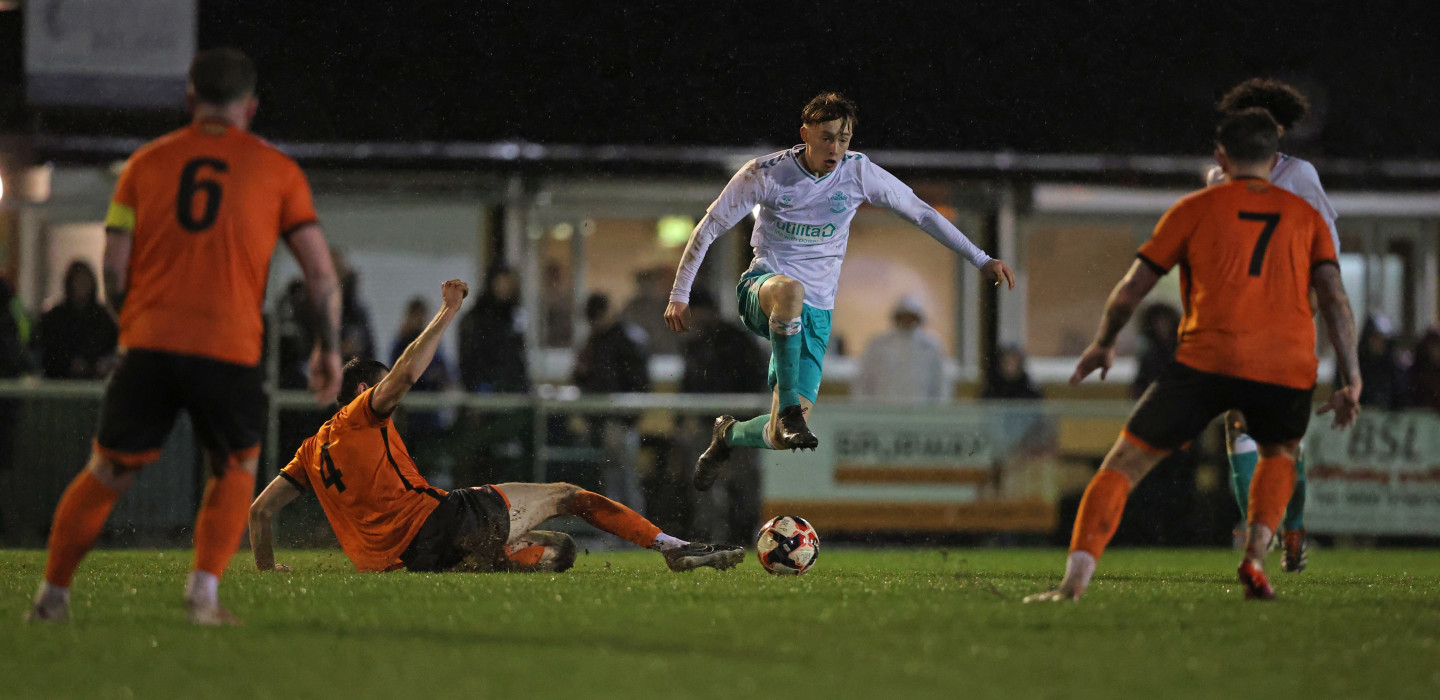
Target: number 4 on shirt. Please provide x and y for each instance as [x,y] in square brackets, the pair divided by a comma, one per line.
[329,475]
[1257,258]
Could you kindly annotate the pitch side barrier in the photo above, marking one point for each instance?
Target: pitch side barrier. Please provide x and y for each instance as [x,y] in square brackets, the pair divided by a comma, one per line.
[967,466]
[954,467]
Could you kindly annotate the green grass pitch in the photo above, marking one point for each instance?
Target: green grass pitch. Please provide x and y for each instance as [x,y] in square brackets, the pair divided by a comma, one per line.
[862,624]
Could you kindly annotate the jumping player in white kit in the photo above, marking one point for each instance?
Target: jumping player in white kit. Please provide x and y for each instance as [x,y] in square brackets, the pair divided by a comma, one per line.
[806,196]
[1288,107]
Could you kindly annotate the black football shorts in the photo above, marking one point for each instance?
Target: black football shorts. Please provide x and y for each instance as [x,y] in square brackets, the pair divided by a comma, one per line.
[226,403]
[467,522]
[1183,401]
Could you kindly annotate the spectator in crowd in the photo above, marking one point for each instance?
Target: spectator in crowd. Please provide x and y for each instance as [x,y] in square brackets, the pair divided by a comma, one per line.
[492,340]
[646,310]
[614,360]
[13,359]
[13,363]
[356,339]
[295,340]
[76,338]
[905,365]
[559,307]
[1007,378]
[1159,335]
[1380,368]
[1423,380]
[720,357]
[495,445]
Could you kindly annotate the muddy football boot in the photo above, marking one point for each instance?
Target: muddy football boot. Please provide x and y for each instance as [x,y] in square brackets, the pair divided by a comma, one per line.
[715,456]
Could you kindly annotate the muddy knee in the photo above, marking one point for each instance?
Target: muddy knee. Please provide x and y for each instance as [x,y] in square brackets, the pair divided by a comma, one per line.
[564,497]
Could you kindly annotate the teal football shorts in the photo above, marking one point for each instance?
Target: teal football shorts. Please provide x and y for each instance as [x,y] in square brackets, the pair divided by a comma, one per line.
[814,332]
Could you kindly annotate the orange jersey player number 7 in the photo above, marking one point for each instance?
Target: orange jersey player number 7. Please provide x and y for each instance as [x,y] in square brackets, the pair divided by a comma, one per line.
[1246,251]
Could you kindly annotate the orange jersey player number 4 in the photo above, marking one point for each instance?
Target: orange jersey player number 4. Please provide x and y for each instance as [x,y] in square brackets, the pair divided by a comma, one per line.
[368,485]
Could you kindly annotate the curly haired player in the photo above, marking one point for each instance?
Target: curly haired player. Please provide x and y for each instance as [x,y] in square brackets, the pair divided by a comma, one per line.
[1288,106]
[1248,253]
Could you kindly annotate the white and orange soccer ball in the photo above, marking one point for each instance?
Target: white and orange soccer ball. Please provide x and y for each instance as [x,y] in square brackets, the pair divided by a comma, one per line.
[787,545]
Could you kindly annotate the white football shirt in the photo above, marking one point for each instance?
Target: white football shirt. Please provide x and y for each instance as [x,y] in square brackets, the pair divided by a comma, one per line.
[804,221]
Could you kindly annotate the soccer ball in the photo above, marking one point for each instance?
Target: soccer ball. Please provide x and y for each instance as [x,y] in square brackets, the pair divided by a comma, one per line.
[787,545]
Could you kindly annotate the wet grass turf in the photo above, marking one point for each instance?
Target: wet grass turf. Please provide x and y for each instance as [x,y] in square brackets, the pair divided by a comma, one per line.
[864,623]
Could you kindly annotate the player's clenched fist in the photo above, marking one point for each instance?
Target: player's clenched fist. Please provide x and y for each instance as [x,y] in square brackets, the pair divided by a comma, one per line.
[454,292]
[677,316]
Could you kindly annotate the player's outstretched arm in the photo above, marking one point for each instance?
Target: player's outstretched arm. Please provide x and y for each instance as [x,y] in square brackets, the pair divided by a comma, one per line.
[1340,324]
[277,495]
[419,353]
[322,317]
[735,202]
[886,190]
[677,312]
[1124,299]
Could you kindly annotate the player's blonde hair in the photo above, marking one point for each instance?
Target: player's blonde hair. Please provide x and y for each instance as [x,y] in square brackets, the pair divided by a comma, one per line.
[829,106]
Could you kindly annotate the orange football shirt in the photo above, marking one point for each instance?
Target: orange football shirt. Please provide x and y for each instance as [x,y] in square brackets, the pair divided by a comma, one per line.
[205,206]
[1246,250]
[373,496]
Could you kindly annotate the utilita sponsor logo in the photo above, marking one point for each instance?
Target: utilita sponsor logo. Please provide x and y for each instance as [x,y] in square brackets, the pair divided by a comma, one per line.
[804,232]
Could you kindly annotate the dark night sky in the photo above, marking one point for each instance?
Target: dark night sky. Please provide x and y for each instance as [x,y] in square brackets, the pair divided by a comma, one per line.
[1115,77]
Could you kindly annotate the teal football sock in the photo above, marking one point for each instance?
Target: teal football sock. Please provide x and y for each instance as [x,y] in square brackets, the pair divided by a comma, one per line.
[1295,511]
[785,347]
[1242,467]
[750,433]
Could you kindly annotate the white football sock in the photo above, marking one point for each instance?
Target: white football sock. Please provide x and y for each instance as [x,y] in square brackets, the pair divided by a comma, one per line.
[50,596]
[769,439]
[1079,567]
[666,543]
[203,589]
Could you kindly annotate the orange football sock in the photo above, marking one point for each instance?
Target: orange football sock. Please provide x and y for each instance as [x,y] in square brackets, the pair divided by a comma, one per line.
[223,515]
[79,518]
[1100,512]
[1270,490]
[613,518]
[526,556]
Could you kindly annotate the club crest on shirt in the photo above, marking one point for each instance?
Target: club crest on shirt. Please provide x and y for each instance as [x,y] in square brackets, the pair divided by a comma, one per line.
[785,202]
[838,202]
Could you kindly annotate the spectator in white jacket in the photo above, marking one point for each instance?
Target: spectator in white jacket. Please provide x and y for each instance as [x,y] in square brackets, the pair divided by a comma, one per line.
[907,364]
